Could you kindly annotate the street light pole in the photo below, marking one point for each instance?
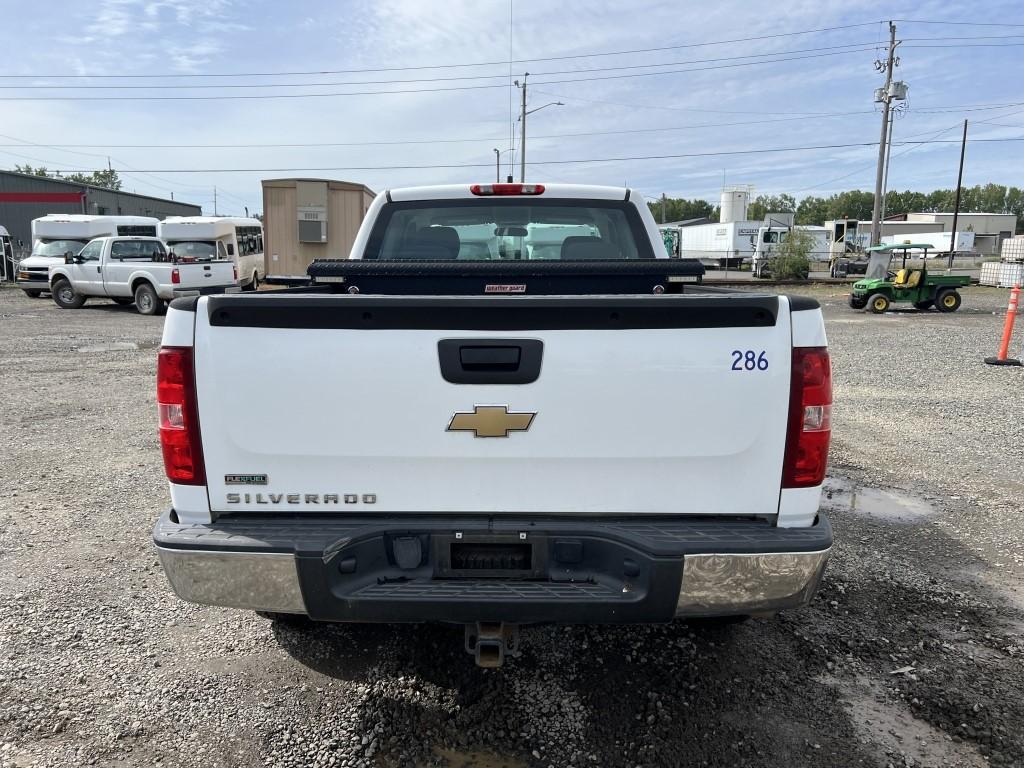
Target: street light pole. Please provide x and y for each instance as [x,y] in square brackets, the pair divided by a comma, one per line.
[523,112]
[497,165]
[522,131]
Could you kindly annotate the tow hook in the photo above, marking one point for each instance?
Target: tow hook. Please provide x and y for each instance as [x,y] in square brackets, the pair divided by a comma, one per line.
[491,642]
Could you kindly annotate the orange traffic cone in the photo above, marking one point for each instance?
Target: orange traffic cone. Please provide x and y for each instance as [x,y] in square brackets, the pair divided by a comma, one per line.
[1004,345]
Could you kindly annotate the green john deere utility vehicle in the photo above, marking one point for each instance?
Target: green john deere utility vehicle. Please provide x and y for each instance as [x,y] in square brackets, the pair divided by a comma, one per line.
[914,285]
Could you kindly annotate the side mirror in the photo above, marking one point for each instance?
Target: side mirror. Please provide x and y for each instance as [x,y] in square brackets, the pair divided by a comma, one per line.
[69,257]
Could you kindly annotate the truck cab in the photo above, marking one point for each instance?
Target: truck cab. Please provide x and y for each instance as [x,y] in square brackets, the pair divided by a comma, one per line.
[769,239]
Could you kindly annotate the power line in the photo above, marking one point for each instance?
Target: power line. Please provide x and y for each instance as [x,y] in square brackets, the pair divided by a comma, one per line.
[764,56]
[935,134]
[265,96]
[959,23]
[478,140]
[451,66]
[970,45]
[721,153]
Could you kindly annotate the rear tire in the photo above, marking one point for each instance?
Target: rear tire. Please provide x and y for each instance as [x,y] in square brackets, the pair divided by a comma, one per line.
[948,301]
[255,284]
[146,300]
[64,295]
[923,305]
[878,303]
[33,294]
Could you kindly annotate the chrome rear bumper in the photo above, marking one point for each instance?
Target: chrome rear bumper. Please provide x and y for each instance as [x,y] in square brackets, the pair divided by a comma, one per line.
[616,571]
[717,585]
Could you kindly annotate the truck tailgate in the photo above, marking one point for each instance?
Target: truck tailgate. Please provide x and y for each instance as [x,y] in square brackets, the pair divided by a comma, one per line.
[200,275]
[657,404]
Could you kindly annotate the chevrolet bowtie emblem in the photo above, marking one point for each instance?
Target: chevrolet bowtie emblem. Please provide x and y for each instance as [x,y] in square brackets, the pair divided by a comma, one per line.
[490,421]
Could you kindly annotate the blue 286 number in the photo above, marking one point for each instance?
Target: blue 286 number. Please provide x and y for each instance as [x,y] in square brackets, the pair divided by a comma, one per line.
[749,360]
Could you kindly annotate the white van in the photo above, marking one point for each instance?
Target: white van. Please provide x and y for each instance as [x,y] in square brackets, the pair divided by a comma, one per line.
[55,234]
[218,237]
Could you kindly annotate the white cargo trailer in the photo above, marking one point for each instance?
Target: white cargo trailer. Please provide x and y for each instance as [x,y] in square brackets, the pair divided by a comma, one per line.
[939,242]
[724,245]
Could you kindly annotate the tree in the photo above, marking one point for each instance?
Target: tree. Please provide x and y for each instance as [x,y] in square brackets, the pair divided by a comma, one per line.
[106,177]
[854,204]
[812,210]
[29,170]
[680,209]
[765,204]
[851,204]
[793,257]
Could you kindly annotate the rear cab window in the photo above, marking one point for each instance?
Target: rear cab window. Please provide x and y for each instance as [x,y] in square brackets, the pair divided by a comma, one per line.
[508,230]
[138,250]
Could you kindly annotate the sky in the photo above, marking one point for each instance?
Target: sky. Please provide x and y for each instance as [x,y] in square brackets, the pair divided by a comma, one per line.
[665,97]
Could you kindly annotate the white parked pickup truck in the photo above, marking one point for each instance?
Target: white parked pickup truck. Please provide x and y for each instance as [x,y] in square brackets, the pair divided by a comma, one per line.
[471,428]
[137,270]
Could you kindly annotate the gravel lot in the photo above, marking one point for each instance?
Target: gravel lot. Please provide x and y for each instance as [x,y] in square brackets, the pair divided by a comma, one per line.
[911,654]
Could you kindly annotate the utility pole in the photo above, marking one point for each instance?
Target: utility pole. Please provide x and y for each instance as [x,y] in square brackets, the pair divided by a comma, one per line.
[214,199]
[876,214]
[522,131]
[888,156]
[663,201]
[959,187]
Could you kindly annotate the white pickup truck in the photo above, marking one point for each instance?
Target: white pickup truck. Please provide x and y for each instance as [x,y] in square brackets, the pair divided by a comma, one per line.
[137,270]
[470,429]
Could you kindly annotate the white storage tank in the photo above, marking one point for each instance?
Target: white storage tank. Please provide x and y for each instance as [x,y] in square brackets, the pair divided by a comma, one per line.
[1013,249]
[990,273]
[1011,275]
[733,205]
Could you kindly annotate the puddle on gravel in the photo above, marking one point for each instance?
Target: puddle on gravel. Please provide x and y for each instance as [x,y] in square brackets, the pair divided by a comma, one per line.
[893,727]
[881,503]
[113,346]
[471,758]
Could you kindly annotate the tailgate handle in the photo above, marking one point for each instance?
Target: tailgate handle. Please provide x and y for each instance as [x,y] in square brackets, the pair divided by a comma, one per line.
[490,361]
[490,358]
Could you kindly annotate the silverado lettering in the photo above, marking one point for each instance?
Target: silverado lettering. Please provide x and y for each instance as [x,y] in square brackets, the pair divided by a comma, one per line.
[301,498]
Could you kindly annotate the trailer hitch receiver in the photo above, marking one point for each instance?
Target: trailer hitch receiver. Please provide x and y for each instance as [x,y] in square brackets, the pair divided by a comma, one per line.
[491,642]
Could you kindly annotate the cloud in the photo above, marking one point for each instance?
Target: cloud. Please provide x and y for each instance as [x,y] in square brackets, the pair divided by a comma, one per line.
[209,36]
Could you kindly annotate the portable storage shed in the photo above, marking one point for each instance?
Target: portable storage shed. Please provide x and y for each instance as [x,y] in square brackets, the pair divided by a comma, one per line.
[307,219]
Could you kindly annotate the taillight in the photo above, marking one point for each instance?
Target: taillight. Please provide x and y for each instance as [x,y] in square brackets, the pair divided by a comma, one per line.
[234,272]
[507,189]
[810,418]
[179,419]
[175,275]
